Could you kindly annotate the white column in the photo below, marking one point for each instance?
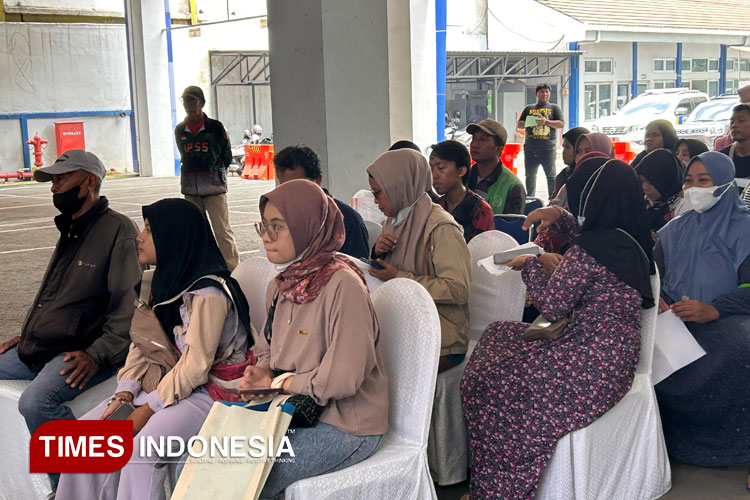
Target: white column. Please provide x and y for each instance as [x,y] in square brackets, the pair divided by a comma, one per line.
[350,76]
[150,83]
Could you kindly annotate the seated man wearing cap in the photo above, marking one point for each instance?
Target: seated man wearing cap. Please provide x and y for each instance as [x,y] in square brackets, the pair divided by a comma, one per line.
[489,178]
[76,333]
[206,153]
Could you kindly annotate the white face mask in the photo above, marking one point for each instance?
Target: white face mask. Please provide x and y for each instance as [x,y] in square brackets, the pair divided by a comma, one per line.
[703,199]
[403,214]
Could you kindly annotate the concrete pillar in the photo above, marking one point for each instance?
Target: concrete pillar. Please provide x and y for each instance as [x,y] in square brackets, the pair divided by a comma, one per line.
[150,86]
[350,76]
[678,66]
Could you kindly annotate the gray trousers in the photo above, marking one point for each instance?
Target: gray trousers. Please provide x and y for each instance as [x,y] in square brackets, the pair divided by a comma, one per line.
[139,479]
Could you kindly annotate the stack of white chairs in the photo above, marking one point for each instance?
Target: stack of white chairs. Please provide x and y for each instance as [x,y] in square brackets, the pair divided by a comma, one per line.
[15,480]
[622,454]
[410,346]
[491,298]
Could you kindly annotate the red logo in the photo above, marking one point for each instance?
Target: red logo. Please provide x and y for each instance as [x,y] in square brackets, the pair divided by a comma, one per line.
[81,446]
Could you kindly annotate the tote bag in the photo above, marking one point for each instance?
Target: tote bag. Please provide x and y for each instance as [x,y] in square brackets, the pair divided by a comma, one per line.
[235,478]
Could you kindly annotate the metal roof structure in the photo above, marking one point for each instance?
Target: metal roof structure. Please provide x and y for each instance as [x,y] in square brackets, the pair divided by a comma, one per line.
[667,15]
[479,65]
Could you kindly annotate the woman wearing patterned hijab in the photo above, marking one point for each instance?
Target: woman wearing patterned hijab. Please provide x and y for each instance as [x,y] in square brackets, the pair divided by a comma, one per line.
[422,242]
[321,333]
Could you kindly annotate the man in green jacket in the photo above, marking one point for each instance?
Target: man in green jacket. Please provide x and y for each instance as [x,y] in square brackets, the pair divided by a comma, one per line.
[205,153]
[489,178]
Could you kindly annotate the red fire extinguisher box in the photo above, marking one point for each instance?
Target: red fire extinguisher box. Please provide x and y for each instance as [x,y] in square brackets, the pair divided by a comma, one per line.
[69,135]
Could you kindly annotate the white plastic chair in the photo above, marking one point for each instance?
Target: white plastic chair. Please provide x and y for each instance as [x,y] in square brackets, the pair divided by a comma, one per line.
[622,454]
[410,345]
[253,276]
[373,283]
[491,298]
[15,478]
[373,231]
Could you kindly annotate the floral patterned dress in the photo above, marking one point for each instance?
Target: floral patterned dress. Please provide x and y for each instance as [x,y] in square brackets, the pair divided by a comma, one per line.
[520,398]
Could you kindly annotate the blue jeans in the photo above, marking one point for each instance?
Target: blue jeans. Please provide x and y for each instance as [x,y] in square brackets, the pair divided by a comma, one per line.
[43,400]
[318,450]
[532,159]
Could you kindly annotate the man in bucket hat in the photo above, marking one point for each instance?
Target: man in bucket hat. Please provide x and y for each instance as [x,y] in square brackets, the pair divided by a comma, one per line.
[76,333]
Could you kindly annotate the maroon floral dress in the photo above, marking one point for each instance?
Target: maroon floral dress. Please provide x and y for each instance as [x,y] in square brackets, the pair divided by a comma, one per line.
[520,398]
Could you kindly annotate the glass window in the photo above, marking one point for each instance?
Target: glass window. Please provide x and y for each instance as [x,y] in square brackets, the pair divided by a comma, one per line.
[605,99]
[712,111]
[701,85]
[623,93]
[598,100]
[730,64]
[590,101]
[700,65]
[641,88]
[658,64]
[589,66]
[605,66]
[646,105]
[745,65]
[713,65]
[713,88]
[686,65]
[669,65]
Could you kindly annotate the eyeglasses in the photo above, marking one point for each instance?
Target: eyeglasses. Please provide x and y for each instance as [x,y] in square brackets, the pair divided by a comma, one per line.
[272,229]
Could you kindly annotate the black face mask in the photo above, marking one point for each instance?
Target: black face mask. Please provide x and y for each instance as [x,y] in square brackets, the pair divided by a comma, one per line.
[68,202]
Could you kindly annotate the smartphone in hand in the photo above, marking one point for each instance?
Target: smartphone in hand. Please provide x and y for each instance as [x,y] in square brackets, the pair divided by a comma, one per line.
[373,263]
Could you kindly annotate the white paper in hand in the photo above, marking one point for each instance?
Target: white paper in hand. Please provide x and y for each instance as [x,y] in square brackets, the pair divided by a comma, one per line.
[674,346]
[489,264]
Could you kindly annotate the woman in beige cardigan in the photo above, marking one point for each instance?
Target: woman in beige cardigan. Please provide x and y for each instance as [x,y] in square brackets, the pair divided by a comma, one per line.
[321,333]
[422,242]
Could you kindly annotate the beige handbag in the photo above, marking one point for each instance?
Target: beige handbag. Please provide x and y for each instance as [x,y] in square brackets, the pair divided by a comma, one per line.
[240,478]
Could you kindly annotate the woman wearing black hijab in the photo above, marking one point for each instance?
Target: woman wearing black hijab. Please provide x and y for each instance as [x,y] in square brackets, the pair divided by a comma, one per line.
[661,174]
[541,390]
[659,134]
[685,149]
[193,323]
[569,156]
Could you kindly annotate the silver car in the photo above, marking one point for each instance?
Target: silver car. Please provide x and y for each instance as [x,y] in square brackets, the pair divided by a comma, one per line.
[709,120]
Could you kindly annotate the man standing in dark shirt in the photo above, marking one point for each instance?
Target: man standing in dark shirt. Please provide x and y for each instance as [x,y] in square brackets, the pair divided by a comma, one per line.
[739,150]
[450,164]
[205,154]
[76,333]
[301,162]
[489,178]
[540,146]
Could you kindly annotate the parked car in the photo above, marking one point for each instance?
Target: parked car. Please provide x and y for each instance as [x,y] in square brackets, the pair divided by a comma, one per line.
[709,120]
[629,123]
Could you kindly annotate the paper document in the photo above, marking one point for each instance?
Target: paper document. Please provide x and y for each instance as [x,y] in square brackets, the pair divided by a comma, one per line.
[674,346]
[532,120]
[489,264]
[497,269]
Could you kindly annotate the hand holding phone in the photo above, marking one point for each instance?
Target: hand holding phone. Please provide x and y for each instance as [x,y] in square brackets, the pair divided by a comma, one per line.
[372,263]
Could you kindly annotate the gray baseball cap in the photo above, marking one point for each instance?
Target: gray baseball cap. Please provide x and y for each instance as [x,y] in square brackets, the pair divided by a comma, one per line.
[70,161]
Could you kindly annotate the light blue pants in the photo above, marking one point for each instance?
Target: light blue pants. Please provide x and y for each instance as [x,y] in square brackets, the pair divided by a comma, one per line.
[318,450]
[43,400]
